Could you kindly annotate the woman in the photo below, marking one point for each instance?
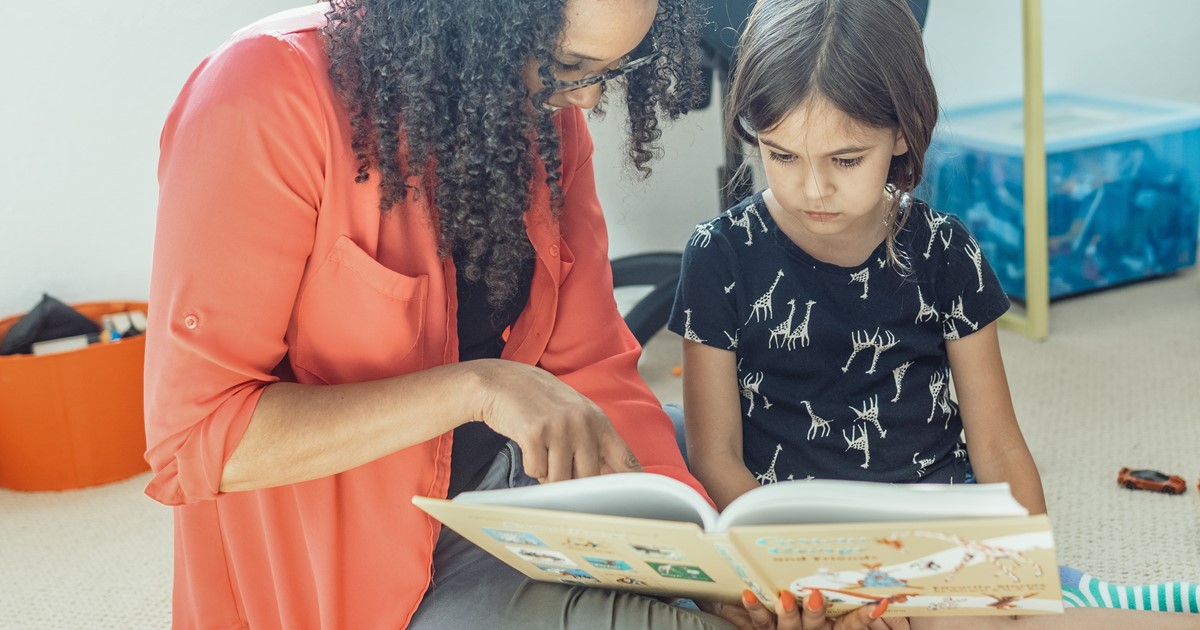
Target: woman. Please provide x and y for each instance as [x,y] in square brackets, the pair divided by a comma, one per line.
[379,256]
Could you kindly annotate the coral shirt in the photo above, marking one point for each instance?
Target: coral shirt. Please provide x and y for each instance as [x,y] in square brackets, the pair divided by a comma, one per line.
[272,264]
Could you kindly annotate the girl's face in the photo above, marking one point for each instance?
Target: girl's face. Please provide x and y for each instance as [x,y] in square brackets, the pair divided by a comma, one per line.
[596,38]
[827,172]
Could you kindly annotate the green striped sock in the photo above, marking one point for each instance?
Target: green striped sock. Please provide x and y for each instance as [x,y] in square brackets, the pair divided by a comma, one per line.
[1081,590]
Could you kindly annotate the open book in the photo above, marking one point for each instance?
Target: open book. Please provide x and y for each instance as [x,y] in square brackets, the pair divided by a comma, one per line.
[930,549]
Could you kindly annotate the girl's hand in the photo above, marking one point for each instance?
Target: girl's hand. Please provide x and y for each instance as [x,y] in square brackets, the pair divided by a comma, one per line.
[788,616]
[562,434]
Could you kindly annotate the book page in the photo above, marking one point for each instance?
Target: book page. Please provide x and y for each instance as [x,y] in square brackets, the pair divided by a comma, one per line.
[982,566]
[836,501]
[653,557]
[637,495]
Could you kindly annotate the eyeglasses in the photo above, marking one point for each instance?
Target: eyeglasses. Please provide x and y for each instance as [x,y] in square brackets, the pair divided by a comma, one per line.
[567,86]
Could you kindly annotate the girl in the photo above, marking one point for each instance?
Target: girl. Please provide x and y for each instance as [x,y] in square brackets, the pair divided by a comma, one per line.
[824,318]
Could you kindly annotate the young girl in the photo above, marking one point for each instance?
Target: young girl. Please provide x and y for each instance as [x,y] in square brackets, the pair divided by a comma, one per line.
[825,317]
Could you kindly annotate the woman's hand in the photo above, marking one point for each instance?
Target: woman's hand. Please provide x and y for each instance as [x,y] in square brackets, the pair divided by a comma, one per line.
[753,615]
[562,434]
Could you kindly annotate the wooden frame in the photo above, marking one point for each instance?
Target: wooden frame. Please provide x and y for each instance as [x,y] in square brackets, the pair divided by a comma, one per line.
[1035,323]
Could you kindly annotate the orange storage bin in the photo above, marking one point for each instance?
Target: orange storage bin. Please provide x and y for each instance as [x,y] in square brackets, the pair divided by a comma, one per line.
[73,419]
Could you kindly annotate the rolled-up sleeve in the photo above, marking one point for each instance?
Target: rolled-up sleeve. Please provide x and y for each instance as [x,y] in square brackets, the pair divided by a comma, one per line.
[241,175]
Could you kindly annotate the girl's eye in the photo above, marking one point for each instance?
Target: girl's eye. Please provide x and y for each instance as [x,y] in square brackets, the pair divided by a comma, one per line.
[848,162]
[786,158]
[567,67]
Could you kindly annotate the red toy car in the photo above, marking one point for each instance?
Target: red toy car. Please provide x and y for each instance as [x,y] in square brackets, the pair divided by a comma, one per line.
[1151,480]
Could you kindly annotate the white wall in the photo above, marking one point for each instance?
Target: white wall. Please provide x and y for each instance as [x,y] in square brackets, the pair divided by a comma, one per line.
[87,84]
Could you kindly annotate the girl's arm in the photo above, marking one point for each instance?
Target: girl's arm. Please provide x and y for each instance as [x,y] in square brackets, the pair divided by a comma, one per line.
[997,449]
[714,422]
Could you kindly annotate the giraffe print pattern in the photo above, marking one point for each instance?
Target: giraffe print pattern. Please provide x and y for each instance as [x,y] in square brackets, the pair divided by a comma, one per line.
[867,339]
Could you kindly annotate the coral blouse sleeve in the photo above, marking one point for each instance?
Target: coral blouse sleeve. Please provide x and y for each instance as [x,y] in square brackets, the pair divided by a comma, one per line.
[240,175]
[591,348]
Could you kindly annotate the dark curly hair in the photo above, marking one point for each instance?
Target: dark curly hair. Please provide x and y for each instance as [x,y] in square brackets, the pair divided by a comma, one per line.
[435,94]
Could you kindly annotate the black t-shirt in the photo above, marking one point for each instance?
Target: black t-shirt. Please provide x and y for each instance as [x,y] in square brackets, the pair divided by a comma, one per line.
[842,371]
[480,336]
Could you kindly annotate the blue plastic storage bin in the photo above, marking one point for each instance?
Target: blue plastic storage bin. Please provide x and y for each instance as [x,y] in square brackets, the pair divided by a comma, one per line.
[1123,187]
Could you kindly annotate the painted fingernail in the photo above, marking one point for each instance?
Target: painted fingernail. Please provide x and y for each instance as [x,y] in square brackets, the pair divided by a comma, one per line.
[879,609]
[748,598]
[788,600]
[815,601]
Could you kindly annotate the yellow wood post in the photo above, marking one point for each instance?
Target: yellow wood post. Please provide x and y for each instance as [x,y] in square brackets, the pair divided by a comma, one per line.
[1036,322]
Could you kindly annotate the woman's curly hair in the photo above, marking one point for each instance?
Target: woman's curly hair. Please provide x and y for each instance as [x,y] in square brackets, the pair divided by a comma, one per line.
[435,94]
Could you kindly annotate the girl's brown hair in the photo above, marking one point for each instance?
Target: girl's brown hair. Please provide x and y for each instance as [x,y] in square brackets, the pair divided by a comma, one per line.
[866,57]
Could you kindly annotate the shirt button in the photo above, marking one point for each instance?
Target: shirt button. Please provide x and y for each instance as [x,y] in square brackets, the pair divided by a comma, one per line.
[554,250]
[191,321]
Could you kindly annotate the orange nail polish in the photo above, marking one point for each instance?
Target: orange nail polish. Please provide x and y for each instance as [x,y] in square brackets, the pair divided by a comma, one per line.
[748,598]
[815,601]
[879,609]
[788,600]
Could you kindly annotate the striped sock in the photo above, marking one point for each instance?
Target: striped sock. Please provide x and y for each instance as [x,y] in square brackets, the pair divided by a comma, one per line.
[1081,590]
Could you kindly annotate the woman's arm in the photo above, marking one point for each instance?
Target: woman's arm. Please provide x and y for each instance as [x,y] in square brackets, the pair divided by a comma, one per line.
[714,422]
[301,432]
[997,449]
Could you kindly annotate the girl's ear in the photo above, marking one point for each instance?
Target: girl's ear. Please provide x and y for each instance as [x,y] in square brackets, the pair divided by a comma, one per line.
[901,146]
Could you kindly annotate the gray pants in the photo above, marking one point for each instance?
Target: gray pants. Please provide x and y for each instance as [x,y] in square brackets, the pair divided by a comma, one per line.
[474,590]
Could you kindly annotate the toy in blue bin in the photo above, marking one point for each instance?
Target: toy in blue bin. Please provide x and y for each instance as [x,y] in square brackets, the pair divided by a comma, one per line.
[1122,182]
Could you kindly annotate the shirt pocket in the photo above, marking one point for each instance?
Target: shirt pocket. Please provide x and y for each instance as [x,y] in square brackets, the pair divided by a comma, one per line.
[358,320]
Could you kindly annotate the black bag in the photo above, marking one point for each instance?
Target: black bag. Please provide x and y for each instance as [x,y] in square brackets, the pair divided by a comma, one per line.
[50,319]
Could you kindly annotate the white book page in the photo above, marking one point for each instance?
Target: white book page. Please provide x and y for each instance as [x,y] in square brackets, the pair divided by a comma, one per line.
[832,501]
[638,495]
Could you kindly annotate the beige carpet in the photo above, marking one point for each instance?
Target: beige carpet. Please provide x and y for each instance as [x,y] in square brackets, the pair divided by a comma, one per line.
[1117,384]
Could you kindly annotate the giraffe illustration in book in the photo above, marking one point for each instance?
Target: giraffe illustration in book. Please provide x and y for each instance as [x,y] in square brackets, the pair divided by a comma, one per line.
[770,476]
[800,333]
[819,424]
[864,276]
[749,386]
[761,309]
[1003,558]
[898,376]
[857,440]
[1005,602]
[870,413]
[688,333]
[744,222]
[781,331]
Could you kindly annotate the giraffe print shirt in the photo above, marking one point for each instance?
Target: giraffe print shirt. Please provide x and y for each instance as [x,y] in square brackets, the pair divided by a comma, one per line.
[842,372]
